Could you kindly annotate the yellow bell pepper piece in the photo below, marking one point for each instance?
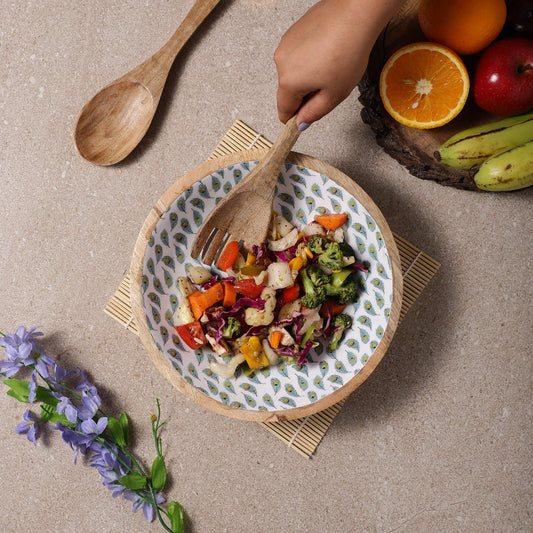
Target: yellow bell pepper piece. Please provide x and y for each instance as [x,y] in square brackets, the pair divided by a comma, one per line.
[253,353]
[250,259]
[252,270]
[297,263]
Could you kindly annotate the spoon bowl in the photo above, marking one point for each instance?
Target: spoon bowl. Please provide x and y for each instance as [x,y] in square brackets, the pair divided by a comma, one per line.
[114,120]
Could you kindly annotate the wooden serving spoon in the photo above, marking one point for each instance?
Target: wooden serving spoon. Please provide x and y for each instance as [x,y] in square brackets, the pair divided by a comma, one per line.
[114,121]
[244,213]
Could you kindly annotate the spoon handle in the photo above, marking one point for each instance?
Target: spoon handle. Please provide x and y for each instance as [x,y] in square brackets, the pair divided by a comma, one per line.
[197,14]
[275,157]
[154,71]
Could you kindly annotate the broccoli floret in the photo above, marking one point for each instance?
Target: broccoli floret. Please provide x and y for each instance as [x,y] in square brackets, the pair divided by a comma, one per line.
[331,257]
[232,328]
[346,249]
[342,286]
[317,243]
[346,294]
[342,322]
[339,278]
[317,276]
[315,295]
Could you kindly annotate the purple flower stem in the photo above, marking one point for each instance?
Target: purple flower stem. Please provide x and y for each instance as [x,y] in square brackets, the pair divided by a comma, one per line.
[104,444]
[74,392]
[158,509]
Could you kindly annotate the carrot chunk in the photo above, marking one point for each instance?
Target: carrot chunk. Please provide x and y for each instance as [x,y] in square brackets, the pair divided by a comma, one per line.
[275,338]
[230,294]
[291,293]
[200,301]
[332,220]
[228,256]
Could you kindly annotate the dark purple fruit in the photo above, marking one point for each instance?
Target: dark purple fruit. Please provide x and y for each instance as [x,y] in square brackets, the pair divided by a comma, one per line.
[519,22]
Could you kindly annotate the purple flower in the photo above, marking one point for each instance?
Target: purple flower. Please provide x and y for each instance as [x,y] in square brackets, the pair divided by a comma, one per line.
[105,456]
[20,344]
[30,426]
[91,402]
[22,350]
[9,368]
[32,387]
[59,375]
[112,466]
[111,479]
[139,502]
[79,442]
[85,387]
[40,362]
[92,428]
[67,407]
[85,430]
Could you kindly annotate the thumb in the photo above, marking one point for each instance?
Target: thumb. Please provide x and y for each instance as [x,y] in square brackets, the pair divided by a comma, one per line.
[317,106]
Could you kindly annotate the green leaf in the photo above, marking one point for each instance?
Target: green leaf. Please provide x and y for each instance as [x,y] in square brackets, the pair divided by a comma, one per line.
[49,414]
[119,430]
[158,473]
[124,422]
[134,481]
[44,395]
[17,397]
[115,429]
[46,413]
[18,389]
[175,512]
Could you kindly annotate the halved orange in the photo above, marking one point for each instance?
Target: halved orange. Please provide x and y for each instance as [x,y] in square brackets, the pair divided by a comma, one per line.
[424,85]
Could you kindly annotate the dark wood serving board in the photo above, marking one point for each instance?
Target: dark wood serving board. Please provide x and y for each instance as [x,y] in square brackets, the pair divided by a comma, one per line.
[414,148]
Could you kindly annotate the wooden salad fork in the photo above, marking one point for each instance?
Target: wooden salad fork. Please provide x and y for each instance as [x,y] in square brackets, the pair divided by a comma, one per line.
[244,213]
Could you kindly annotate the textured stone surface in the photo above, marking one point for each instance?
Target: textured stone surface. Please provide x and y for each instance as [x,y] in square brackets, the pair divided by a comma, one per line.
[437,439]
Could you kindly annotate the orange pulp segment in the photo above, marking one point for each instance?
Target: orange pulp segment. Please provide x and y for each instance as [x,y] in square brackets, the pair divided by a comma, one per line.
[424,85]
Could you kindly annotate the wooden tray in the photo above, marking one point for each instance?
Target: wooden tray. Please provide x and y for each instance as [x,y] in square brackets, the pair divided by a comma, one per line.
[411,147]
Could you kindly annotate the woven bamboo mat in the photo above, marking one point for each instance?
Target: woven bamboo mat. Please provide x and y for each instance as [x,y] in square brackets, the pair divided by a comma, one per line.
[305,434]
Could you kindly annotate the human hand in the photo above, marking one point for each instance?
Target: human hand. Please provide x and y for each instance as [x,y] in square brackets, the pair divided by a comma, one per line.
[322,57]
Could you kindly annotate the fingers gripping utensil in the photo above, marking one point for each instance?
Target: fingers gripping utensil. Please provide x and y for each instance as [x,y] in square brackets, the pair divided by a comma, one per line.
[115,120]
[244,213]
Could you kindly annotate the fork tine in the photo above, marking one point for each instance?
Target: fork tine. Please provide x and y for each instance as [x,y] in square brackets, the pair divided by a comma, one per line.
[202,239]
[202,242]
[211,248]
[221,247]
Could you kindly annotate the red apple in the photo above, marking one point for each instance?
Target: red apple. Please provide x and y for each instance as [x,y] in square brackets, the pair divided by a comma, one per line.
[503,83]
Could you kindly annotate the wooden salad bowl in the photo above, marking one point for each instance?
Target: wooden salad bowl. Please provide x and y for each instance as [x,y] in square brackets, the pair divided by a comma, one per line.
[163,364]
[414,148]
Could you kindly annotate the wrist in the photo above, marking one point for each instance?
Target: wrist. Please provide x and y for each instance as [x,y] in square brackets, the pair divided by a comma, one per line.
[367,17]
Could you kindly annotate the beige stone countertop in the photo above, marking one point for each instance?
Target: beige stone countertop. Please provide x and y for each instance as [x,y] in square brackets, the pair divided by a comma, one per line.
[437,439]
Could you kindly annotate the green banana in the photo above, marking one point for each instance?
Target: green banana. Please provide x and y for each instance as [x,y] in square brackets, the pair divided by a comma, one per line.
[470,147]
[507,171]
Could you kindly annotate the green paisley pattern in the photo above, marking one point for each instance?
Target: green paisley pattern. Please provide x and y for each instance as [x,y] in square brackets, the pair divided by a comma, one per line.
[301,194]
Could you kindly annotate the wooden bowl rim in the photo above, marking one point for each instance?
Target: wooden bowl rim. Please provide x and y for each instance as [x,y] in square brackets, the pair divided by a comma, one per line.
[164,366]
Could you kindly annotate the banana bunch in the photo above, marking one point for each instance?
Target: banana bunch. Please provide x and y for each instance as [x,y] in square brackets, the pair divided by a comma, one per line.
[502,151]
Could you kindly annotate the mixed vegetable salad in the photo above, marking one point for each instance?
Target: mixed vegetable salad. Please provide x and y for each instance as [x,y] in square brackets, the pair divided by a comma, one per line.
[276,301]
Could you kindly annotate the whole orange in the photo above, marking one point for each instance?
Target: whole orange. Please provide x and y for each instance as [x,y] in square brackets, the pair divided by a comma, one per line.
[465,26]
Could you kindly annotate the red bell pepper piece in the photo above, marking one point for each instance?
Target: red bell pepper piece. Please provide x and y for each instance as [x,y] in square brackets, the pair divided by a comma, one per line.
[192,334]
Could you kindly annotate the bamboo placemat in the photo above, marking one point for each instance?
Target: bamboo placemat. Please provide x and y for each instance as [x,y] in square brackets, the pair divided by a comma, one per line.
[305,434]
